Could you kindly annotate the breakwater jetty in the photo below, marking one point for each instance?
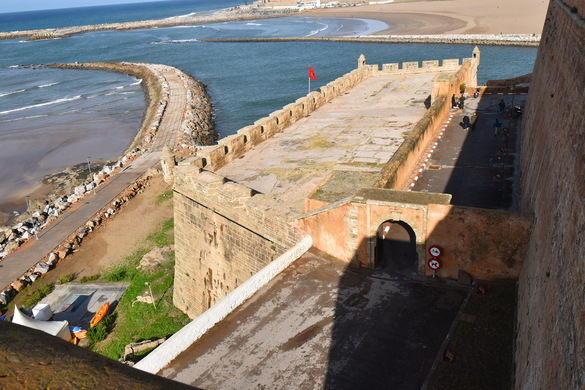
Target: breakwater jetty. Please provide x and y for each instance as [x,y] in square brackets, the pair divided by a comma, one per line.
[532,40]
[180,120]
[227,15]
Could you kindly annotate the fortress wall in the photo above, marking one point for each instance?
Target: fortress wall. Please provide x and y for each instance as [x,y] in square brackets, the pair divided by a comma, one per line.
[232,147]
[488,244]
[396,172]
[550,345]
[224,233]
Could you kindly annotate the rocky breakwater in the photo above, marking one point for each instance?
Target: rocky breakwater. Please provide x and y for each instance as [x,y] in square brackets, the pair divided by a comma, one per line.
[198,125]
[73,242]
[224,15]
[42,213]
[196,128]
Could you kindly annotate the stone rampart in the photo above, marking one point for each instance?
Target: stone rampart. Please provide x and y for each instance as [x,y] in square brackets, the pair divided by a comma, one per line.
[224,234]
[234,146]
[452,75]
[550,345]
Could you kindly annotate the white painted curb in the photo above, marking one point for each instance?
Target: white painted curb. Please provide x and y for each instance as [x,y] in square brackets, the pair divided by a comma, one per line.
[180,341]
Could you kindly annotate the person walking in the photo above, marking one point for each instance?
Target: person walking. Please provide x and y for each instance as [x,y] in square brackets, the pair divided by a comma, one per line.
[502,105]
[497,127]
[453,101]
[462,102]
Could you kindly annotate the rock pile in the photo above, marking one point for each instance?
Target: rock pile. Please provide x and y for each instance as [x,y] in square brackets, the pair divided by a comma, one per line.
[12,237]
[198,122]
[73,242]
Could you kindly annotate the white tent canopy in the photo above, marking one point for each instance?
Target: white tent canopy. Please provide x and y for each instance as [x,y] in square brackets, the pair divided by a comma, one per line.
[54,328]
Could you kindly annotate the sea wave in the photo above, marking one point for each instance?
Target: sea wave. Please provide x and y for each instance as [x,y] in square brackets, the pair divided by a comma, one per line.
[174,41]
[41,105]
[24,117]
[253,24]
[315,32]
[47,85]
[12,92]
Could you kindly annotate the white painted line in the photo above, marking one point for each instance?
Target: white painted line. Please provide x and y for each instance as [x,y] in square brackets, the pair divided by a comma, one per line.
[416,178]
[187,335]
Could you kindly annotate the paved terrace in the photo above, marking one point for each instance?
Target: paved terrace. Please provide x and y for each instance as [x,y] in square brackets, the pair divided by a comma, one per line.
[350,138]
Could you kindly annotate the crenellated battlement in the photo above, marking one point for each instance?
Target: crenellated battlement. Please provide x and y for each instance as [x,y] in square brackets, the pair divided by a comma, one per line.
[234,146]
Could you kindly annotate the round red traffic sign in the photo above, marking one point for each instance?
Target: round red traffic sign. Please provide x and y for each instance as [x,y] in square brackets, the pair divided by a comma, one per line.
[434,264]
[435,251]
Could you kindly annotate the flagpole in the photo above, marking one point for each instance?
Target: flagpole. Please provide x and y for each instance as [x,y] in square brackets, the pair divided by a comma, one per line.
[309,86]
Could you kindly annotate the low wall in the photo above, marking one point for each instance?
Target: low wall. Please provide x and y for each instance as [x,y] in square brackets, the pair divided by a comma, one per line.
[224,234]
[349,230]
[396,172]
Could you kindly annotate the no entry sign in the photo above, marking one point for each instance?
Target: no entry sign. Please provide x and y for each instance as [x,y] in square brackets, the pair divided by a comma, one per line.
[435,251]
[434,264]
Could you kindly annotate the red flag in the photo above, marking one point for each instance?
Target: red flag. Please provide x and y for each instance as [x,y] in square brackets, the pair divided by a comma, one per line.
[312,74]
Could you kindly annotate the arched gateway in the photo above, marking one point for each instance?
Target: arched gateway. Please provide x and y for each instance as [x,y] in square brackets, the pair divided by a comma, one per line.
[395,248]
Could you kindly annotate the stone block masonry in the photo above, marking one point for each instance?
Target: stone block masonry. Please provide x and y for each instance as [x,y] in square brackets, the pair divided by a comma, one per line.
[224,234]
[550,345]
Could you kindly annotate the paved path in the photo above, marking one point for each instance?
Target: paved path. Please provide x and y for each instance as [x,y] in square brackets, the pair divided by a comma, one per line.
[13,266]
[470,165]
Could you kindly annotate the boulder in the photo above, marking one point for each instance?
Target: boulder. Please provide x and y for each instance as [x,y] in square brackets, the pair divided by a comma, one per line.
[79,190]
[42,268]
[18,285]
[155,258]
[63,252]
[4,298]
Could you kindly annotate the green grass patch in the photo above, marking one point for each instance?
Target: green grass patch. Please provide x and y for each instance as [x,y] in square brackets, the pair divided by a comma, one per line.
[33,297]
[100,331]
[168,194]
[66,278]
[138,321]
[89,278]
[165,236]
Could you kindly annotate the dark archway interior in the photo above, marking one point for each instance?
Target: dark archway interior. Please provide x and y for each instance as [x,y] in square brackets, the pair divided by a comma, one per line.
[396,249]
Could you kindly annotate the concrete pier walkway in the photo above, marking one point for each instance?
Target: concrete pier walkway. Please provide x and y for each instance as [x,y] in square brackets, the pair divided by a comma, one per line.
[13,266]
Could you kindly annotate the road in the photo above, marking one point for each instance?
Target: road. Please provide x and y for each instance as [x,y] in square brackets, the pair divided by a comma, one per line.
[13,266]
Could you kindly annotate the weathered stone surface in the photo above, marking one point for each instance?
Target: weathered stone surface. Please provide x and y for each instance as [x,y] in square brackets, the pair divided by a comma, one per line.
[550,347]
[42,268]
[18,285]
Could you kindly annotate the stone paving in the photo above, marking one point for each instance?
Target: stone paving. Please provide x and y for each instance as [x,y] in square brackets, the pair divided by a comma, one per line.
[320,324]
[357,132]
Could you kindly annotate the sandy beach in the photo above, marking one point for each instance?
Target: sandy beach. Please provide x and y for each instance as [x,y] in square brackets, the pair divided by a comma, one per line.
[450,16]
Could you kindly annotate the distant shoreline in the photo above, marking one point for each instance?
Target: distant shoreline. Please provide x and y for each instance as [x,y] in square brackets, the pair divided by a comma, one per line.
[429,17]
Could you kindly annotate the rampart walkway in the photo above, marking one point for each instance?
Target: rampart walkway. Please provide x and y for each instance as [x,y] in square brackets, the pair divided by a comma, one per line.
[350,138]
[13,266]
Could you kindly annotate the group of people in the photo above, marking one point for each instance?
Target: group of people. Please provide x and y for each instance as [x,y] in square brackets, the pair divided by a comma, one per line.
[458,102]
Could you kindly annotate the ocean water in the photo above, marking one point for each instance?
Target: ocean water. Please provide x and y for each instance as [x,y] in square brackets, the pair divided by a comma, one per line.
[108,14]
[65,115]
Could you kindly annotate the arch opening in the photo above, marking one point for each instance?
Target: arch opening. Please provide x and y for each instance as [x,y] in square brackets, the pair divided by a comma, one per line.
[395,250]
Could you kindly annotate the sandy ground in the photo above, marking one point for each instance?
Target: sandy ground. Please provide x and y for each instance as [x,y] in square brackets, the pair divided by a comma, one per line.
[120,236]
[450,16]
